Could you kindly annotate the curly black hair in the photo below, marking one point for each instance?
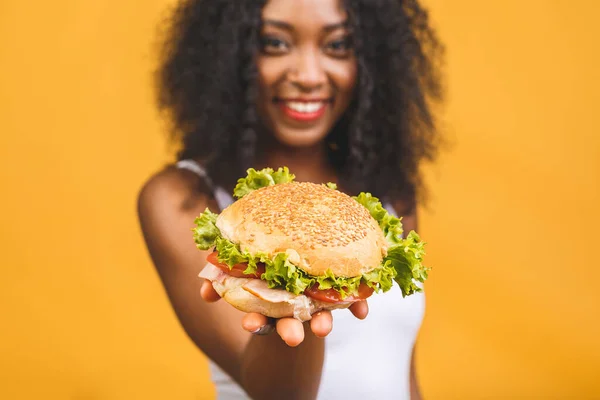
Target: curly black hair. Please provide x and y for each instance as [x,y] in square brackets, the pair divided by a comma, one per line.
[207,85]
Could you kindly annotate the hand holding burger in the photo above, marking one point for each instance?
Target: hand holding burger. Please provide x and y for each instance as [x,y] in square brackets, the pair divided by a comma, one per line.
[287,249]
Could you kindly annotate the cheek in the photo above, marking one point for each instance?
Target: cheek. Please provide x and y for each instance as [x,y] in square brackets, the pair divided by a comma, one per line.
[269,72]
[343,75]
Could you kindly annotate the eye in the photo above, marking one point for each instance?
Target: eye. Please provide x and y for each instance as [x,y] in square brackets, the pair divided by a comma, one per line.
[340,47]
[273,45]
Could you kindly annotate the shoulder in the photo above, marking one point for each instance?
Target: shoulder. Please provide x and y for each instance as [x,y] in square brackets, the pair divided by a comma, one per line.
[172,191]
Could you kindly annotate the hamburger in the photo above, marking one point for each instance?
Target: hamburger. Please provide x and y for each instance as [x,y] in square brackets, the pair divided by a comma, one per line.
[290,249]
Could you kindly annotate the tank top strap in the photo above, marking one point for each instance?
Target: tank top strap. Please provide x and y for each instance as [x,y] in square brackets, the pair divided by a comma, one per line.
[221,196]
[196,168]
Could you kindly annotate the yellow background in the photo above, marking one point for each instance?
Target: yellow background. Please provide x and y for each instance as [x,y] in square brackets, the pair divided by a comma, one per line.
[513,304]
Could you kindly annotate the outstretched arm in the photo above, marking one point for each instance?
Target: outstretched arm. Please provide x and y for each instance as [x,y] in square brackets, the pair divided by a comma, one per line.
[265,366]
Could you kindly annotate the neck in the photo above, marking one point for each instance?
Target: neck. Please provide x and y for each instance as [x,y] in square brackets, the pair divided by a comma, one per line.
[309,164]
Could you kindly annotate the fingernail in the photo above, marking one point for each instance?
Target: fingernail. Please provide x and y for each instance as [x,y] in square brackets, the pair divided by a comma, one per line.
[263,330]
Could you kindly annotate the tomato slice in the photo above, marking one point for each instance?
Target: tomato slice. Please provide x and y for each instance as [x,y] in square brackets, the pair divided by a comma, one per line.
[237,270]
[326,295]
[333,296]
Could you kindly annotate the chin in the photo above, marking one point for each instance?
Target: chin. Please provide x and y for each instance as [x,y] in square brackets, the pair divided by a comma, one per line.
[303,138]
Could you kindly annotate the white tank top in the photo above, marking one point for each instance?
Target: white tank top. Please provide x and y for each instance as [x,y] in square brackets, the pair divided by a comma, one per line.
[368,359]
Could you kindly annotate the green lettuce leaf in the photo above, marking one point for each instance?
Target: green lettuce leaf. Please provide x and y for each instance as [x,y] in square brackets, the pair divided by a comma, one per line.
[389,224]
[382,278]
[344,286]
[406,258]
[259,179]
[230,254]
[206,231]
[280,273]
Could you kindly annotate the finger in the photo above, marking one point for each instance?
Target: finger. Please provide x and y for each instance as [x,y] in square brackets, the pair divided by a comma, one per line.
[253,322]
[360,309]
[291,331]
[208,293]
[321,323]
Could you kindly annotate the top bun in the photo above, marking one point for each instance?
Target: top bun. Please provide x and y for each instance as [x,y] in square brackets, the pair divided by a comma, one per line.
[318,227]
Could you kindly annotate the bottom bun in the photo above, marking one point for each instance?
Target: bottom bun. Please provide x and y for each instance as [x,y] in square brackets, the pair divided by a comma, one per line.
[254,295]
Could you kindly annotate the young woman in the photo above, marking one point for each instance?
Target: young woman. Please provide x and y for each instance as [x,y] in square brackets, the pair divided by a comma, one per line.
[338,91]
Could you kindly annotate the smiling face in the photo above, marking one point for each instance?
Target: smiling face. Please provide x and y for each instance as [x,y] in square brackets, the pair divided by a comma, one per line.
[307,69]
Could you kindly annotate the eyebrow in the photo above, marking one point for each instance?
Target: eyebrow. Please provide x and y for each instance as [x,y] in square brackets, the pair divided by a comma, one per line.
[288,27]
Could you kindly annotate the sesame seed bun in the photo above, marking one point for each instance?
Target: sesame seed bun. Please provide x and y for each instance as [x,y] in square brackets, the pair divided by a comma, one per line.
[318,227]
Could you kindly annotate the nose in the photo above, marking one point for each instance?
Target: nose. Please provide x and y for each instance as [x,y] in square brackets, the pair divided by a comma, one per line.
[308,72]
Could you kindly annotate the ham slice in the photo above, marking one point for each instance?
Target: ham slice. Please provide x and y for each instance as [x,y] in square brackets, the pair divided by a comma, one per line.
[260,289]
[212,273]
[303,306]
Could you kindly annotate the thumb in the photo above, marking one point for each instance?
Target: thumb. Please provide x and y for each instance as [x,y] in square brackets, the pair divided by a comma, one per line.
[208,293]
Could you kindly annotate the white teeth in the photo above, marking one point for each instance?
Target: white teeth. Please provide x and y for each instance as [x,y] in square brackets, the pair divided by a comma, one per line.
[304,107]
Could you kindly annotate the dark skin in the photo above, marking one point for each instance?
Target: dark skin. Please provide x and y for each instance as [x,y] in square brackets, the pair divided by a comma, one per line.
[305,57]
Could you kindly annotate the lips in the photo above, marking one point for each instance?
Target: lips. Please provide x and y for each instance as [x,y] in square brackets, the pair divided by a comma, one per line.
[304,110]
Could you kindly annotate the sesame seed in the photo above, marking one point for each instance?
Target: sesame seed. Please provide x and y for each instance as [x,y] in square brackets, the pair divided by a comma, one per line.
[308,213]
